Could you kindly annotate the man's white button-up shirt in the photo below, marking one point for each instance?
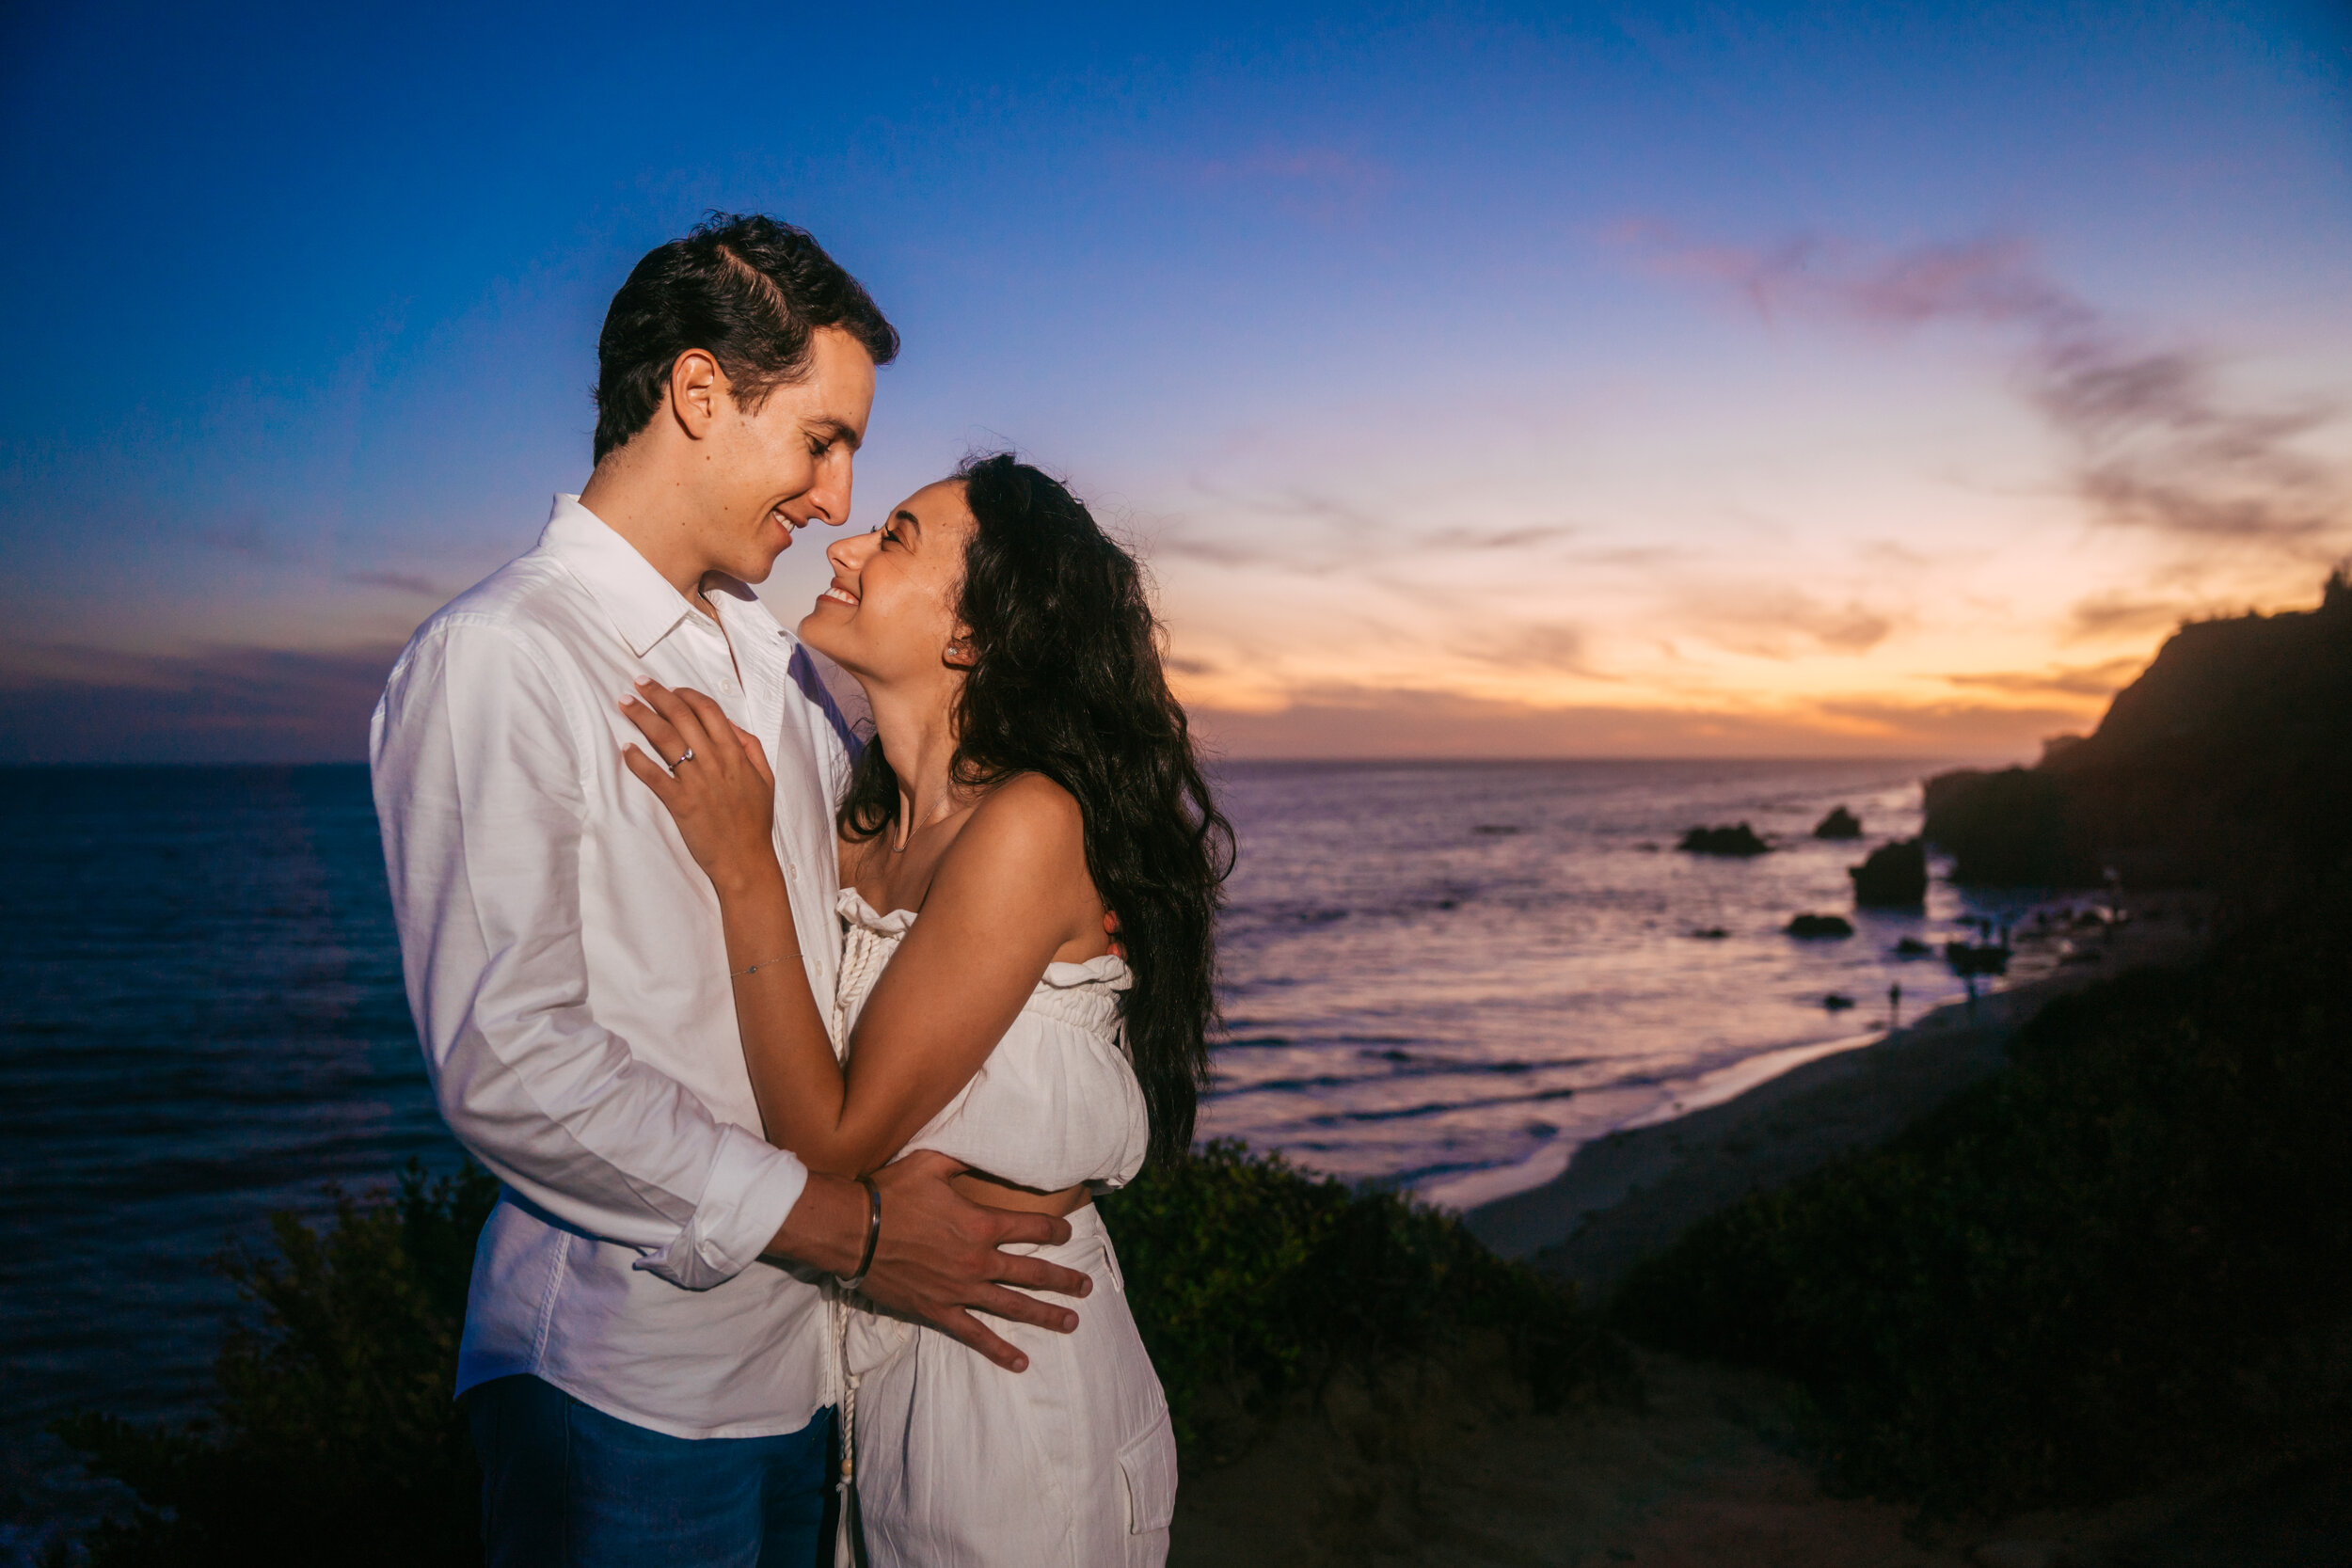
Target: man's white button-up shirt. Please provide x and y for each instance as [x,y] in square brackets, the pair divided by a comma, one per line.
[568,976]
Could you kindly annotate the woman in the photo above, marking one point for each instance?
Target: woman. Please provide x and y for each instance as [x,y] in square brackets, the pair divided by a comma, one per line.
[1032,788]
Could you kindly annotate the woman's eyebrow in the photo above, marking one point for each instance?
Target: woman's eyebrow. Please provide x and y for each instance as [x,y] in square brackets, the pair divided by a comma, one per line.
[903,515]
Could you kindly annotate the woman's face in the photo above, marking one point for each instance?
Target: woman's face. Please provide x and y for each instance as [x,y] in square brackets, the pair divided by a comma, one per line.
[890,615]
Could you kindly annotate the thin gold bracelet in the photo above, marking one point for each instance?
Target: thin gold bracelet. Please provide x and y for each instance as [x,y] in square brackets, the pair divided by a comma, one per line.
[764,963]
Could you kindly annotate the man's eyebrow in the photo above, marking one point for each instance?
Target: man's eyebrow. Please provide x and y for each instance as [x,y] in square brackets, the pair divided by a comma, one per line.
[833,429]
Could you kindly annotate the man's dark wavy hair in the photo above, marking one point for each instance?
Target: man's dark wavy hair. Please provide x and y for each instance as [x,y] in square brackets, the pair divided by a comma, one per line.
[746,290]
[1066,682]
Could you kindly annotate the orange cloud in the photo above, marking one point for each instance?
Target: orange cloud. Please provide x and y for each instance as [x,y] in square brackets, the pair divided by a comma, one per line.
[1340,723]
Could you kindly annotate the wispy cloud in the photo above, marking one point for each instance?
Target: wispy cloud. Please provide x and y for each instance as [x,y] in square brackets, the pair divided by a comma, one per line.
[1498,538]
[1323,184]
[1359,722]
[2103,679]
[405,582]
[1783,623]
[1552,647]
[2156,442]
[2120,614]
[246,534]
[60,703]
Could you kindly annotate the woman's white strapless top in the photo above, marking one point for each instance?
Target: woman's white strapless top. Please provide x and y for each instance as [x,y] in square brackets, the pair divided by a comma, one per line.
[1057,1101]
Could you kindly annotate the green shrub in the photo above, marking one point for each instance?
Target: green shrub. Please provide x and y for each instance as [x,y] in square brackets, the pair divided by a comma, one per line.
[334,1438]
[2129,1254]
[1252,1281]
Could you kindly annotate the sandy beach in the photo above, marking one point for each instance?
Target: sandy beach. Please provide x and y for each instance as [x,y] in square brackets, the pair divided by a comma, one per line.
[1627,1195]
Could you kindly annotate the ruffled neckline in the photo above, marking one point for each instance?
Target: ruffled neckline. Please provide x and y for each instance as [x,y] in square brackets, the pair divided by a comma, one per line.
[851,906]
[1107,969]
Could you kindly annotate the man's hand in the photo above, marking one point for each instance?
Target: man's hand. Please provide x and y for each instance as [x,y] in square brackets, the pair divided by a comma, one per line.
[938,1258]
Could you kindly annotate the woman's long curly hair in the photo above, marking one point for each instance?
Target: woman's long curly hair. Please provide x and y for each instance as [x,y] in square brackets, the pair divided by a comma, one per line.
[1066,683]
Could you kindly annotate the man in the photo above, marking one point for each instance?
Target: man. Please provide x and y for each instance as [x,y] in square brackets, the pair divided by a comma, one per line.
[646,1376]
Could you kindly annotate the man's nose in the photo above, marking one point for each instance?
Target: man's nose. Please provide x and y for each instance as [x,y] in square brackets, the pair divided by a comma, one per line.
[829,497]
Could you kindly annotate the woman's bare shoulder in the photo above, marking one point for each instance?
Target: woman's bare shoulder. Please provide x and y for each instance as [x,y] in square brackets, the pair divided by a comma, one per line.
[1028,816]
[1021,857]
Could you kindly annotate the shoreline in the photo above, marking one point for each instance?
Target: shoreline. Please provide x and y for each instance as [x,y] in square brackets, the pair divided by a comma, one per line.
[1630,1193]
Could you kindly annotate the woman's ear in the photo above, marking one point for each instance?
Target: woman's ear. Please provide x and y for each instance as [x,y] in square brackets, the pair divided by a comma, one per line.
[961,654]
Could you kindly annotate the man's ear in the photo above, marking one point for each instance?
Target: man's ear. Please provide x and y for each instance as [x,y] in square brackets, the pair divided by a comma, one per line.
[697,387]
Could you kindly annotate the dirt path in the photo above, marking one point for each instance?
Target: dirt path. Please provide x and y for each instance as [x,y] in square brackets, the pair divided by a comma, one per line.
[1706,1474]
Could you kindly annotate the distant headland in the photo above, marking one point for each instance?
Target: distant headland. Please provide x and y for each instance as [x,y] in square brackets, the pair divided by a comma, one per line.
[2227,764]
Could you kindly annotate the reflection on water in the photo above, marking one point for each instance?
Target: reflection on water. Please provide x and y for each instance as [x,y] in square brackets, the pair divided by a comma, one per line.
[201,1020]
[1434,969]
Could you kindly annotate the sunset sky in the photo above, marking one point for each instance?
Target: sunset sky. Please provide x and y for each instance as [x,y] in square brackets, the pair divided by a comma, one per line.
[1612,380]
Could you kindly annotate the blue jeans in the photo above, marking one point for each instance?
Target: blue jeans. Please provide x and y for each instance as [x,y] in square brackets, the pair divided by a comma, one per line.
[564,1486]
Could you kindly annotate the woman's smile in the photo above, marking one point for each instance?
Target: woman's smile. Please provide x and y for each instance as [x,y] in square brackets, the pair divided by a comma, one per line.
[837,594]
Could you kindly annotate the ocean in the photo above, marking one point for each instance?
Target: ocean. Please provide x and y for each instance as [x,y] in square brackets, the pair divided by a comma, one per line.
[1440,976]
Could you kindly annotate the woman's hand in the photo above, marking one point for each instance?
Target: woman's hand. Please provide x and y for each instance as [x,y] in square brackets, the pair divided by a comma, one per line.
[717,785]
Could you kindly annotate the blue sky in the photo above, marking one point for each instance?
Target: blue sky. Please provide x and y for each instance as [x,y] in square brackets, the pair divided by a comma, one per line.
[1612,380]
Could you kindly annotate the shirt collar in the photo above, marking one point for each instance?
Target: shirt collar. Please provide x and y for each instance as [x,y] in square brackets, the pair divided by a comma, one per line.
[642,606]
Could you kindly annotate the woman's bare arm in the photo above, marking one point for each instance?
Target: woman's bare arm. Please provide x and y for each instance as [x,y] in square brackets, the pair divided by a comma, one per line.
[1009,893]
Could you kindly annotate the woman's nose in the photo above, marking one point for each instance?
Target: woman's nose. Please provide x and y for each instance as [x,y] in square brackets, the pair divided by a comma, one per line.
[850,554]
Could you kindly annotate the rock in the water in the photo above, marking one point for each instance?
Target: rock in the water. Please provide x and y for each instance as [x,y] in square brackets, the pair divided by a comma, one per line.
[1710,933]
[1894,876]
[1840,823]
[1740,840]
[1977,958]
[1836,1002]
[1912,947]
[1812,926]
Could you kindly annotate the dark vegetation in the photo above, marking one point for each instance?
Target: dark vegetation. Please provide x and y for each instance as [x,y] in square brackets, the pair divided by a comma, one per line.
[1840,823]
[1892,877]
[2129,1256]
[1738,841]
[2228,763]
[1254,1283]
[335,1440]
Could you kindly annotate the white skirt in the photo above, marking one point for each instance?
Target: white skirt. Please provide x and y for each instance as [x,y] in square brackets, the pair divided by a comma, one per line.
[963,1464]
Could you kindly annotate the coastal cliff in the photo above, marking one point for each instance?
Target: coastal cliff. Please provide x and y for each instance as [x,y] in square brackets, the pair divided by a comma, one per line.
[2228,763]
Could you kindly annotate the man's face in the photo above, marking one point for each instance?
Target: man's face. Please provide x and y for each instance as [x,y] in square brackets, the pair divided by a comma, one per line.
[773,472]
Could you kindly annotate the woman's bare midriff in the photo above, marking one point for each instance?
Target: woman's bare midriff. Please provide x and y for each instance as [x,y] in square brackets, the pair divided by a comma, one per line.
[1003,1195]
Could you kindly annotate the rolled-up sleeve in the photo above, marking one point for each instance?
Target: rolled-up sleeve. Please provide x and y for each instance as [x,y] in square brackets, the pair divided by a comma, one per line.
[481,792]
